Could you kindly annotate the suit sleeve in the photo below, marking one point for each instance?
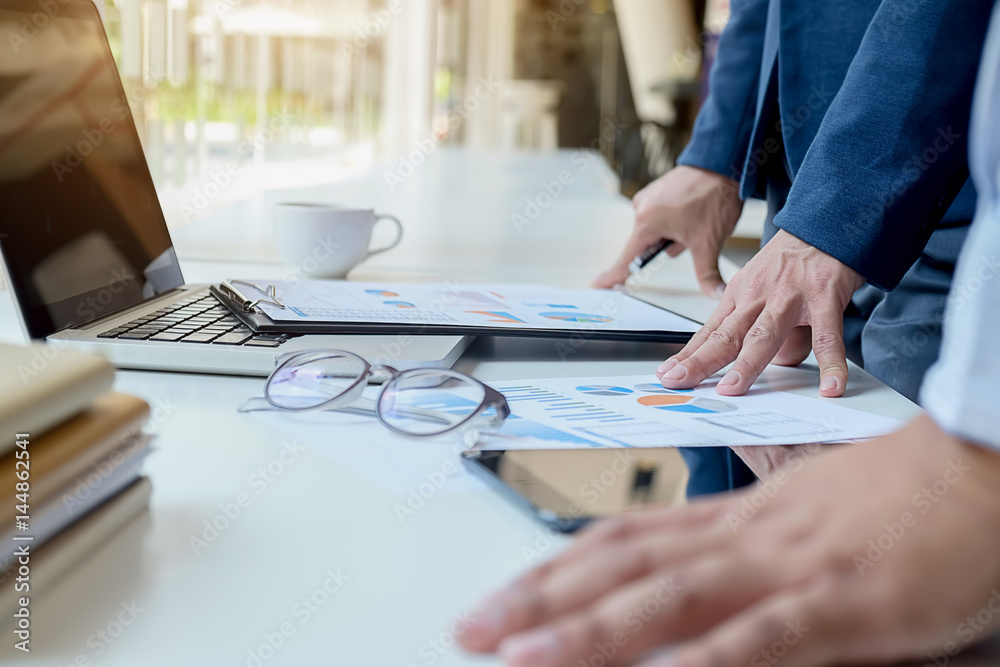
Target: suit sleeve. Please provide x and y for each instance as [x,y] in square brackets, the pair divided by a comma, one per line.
[895,139]
[722,130]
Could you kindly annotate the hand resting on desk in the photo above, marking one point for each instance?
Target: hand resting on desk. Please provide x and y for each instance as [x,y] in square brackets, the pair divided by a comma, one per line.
[696,209]
[788,299]
[895,559]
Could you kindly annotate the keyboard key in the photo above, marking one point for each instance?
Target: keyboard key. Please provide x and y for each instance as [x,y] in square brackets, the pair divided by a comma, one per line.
[199,337]
[168,337]
[110,334]
[257,342]
[136,335]
[232,339]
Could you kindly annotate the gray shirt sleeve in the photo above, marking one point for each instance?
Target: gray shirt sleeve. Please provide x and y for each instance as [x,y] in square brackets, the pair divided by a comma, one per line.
[962,390]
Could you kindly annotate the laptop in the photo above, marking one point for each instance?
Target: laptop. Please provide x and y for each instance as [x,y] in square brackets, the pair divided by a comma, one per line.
[83,239]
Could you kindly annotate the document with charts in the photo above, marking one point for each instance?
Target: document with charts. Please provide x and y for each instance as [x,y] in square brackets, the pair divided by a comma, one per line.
[468,308]
[636,411]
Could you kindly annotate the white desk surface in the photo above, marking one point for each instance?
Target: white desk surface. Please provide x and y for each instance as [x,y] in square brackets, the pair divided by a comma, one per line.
[406,583]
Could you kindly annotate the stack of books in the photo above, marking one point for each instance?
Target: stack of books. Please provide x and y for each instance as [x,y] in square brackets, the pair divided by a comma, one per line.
[70,457]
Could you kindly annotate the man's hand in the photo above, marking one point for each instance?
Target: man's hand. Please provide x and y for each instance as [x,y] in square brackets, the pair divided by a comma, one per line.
[868,553]
[788,286]
[765,460]
[694,208]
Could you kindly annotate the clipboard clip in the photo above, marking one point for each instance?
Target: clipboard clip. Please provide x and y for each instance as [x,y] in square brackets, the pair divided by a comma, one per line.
[246,304]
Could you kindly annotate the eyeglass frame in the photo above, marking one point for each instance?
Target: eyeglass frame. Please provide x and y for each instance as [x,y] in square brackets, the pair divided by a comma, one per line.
[491,397]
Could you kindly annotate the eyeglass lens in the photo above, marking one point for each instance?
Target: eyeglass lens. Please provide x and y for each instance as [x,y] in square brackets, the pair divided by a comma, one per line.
[427,402]
[311,380]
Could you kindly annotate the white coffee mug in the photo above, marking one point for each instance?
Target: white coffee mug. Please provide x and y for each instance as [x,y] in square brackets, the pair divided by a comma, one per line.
[325,240]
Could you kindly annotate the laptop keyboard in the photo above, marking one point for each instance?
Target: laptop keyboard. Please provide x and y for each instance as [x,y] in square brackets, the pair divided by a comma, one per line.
[197,319]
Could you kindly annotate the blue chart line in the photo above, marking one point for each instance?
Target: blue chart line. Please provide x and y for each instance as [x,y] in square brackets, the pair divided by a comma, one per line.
[562,407]
[528,429]
[452,404]
[528,393]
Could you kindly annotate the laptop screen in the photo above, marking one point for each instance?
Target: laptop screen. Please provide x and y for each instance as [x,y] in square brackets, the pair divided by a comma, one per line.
[81,230]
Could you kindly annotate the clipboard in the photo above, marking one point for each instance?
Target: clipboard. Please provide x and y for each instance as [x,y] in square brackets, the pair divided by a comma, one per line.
[244,299]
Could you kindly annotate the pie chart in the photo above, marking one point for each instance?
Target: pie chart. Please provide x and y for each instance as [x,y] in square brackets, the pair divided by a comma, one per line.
[378,292]
[683,403]
[496,316]
[400,304]
[656,388]
[603,390]
[568,316]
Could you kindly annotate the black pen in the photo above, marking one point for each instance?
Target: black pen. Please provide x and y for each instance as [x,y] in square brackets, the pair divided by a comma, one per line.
[645,258]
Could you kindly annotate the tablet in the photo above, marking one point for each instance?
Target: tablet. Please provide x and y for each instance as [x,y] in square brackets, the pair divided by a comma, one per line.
[567,488]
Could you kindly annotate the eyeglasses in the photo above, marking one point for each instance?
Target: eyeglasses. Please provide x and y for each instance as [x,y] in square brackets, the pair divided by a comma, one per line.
[421,402]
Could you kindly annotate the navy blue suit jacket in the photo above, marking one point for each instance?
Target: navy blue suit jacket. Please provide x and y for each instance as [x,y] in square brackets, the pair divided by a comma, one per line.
[875,98]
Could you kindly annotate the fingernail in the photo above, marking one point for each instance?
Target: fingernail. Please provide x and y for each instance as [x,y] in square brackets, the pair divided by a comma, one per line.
[531,648]
[719,291]
[677,373]
[829,383]
[667,365]
[732,377]
[490,615]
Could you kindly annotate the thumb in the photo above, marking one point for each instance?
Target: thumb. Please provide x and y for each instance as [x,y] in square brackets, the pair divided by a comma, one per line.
[614,276]
[706,268]
[637,244]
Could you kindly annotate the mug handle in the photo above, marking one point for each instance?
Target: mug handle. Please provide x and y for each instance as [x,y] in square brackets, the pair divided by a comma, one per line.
[399,236]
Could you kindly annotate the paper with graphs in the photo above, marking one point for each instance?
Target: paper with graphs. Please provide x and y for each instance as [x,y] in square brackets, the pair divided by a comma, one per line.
[636,411]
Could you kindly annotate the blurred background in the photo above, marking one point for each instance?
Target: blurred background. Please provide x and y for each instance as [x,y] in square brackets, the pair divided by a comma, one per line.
[340,85]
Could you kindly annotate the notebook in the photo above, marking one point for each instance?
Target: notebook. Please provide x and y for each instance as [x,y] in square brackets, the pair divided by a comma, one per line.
[113,421]
[41,386]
